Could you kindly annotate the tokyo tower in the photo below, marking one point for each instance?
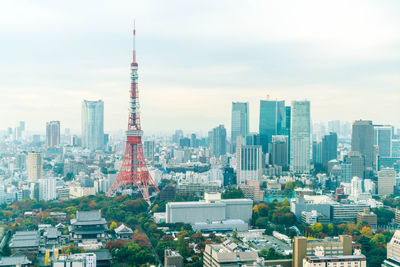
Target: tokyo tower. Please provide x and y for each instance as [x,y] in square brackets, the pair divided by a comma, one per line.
[134,170]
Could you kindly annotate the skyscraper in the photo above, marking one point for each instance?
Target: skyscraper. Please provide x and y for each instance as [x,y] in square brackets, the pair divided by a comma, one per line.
[272,121]
[240,121]
[34,164]
[217,141]
[362,140]
[383,139]
[93,124]
[386,181]
[329,148]
[300,137]
[53,133]
[279,150]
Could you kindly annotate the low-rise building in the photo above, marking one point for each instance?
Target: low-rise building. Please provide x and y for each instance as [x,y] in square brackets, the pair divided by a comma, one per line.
[368,217]
[172,258]
[123,232]
[229,254]
[76,260]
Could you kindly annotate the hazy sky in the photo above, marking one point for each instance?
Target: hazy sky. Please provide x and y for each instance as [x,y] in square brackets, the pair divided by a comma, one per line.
[195,58]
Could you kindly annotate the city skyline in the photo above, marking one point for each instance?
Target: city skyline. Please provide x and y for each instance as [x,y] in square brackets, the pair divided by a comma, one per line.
[198,68]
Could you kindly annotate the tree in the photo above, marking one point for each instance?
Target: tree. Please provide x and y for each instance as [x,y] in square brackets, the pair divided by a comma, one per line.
[377,239]
[232,193]
[113,226]
[366,231]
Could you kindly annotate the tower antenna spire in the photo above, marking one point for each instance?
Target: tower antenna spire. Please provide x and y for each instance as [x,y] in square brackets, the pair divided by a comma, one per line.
[134,41]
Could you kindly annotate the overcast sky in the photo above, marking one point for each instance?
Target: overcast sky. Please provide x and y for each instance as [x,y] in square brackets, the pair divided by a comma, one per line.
[195,58]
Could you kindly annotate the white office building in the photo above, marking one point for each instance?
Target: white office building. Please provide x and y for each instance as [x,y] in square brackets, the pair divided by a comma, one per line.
[47,189]
[386,181]
[249,163]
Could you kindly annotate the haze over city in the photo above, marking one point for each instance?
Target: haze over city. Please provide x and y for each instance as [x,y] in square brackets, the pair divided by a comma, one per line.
[195,58]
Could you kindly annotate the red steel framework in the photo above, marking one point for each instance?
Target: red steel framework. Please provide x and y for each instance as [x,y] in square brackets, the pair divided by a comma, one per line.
[134,169]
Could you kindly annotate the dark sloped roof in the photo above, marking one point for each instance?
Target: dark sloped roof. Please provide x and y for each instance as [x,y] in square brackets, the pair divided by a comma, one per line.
[102,255]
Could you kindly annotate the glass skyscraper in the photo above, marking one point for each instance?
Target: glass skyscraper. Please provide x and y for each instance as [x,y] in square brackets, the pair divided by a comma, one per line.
[300,137]
[240,121]
[272,121]
[93,124]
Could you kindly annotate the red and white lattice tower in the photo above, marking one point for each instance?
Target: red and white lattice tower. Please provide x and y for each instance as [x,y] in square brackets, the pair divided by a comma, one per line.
[134,170]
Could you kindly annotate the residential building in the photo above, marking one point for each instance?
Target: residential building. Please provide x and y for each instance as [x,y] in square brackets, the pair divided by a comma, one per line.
[300,137]
[217,141]
[93,124]
[34,164]
[53,134]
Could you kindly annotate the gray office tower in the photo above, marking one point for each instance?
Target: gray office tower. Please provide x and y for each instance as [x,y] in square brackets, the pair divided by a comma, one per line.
[362,140]
[239,121]
[217,141]
[53,133]
[300,137]
[279,151]
[329,148]
[272,121]
[383,139]
[93,124]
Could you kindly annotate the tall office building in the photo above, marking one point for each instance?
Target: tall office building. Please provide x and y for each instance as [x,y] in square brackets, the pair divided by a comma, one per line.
[239,121]
[383,139]
[249,163]
[53,134]
[329,148]
[317,152]
[272,121]
[279,151]
[386,181]
[300,137]
[362,140]
[93,124]
[357,162]
[34,164]
[47,189]
[217,141]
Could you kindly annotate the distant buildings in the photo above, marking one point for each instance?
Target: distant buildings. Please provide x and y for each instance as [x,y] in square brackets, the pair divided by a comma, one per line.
[329,148]
[279,151]
[53,134]
[34,164]
[362,140]
[217,141]
[47,189]
[300,137]
[93,124]
[239,121]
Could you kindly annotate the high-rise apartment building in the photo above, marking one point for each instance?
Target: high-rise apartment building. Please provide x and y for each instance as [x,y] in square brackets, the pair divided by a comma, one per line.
[47,189]
[272,121]
[386,181]
[34,164]
[239,121]
[217,141]
[53,133]
[300,137]
[362,140]
[148,150]
[329,148]
[93,124]
[249,163]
